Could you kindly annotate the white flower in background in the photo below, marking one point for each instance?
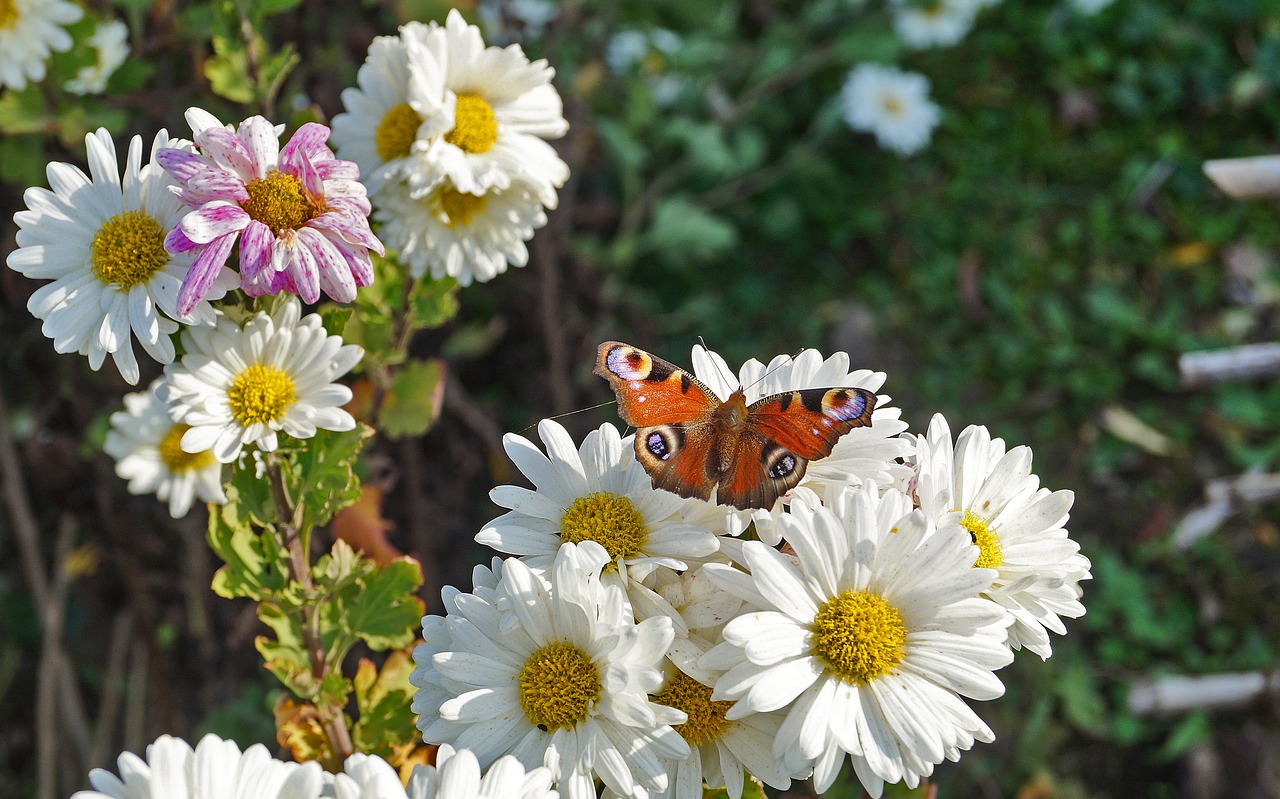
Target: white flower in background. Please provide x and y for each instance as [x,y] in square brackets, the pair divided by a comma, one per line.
[236,387]
[594,493]
[455,775]
[939,23]
[1089,7]
[497,110]
[398,92]
[892,104]
[867,638]
[555,671]
[146,446]
[111,40]
[100,239]
[1017,525]
[216,769]
[29,31]
[468,237]
[511,20]
[860,455]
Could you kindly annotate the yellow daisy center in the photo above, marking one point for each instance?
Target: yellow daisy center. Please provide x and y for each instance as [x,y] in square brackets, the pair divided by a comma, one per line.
[986,539]
[892,105]
[281,202]
[475,129]
[458,207]
[859,636]
[559,685]
[396,131]
[175,458]
[610,520]
[260,394]
[8,14]
[706,718]
[129,247]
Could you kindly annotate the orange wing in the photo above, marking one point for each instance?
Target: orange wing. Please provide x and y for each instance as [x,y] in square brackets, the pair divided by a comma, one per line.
[652,391]
[783,433]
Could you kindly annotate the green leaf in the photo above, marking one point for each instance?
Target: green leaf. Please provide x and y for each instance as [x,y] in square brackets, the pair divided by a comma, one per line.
[228,71]
[286,655]
[682,228]
[432,303]
[255,565]
[383,698]
[413,403]
[320,472]
[334,318]
[24,112]
[1195,728]
[382,609]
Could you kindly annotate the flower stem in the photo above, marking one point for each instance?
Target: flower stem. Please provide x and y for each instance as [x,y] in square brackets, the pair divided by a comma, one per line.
[296,540]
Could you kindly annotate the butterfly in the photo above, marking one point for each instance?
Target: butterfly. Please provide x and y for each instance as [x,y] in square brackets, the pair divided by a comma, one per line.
[691,443]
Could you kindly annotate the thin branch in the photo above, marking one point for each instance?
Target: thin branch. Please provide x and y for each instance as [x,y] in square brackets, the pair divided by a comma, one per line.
[1246,362]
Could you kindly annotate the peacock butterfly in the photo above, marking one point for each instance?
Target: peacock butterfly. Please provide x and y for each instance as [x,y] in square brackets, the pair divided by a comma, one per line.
[690,442]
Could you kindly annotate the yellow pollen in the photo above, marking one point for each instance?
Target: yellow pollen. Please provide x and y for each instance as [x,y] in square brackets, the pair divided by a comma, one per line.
[559,686]
[175,458]
[474,128]
[706,718]
[281,202]
[260,394]
[608,519]
[892,104]
[986,539]
[128,249]
[457,207]
[858,636]
[8,14]
[395,133]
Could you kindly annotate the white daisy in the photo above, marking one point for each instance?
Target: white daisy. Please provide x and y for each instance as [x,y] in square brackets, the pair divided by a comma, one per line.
[512,20]
[465,236]
[892,104]
[236,386]
[101,240]
[1018,526]
[497,109]
[399,91]
[939,23]
[29,30]
[216,769]
[455,775]
[111,41]
[146,446]
[862,454]
[555,671]
[597,492]
[866,637]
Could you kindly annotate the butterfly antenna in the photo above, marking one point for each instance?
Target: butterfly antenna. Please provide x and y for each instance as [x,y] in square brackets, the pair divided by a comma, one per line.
[569,413]
[729,379]
[762,377]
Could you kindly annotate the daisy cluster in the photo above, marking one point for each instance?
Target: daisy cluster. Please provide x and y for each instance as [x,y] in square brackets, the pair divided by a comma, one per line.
[657,644]
[451,138]
[139,253]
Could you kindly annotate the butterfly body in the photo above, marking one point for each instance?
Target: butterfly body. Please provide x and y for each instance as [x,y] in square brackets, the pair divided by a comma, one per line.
[691,443]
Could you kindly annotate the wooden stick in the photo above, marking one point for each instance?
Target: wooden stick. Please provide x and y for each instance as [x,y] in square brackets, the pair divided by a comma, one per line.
[1181,693]
[1224,498]
[1246,362]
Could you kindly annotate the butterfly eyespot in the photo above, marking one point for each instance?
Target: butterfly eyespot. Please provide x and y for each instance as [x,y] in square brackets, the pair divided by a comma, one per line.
[779,462]
[658,445]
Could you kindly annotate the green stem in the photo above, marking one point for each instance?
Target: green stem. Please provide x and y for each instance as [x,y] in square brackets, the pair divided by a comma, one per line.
[296,540]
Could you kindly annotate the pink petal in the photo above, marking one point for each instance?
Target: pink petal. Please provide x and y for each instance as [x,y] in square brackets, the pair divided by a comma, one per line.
[176,242]
[303,272]
[213,220]
[303,170]
[352,229]
[359,263]
[337,169]
[263,144]
[203,272]
[180,163]
[227,151]
[212,185]
[309,141]
[255,251]
[335,275]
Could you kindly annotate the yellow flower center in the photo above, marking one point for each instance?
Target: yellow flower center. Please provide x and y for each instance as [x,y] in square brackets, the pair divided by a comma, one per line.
[457,207]
[175,458]
[986,539]
[8,14]
[474,128]
[281,202]
[892,105]
[858,636]
[608,519]
[706,718]
[395,133]
[559,685]
[260,394]
[129,247]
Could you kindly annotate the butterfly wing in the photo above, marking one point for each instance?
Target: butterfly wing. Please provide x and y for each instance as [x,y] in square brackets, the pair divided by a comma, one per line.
[670,409]
[783,432]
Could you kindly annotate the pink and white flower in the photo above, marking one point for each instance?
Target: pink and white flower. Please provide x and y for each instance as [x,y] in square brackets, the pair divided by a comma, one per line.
[299,213]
